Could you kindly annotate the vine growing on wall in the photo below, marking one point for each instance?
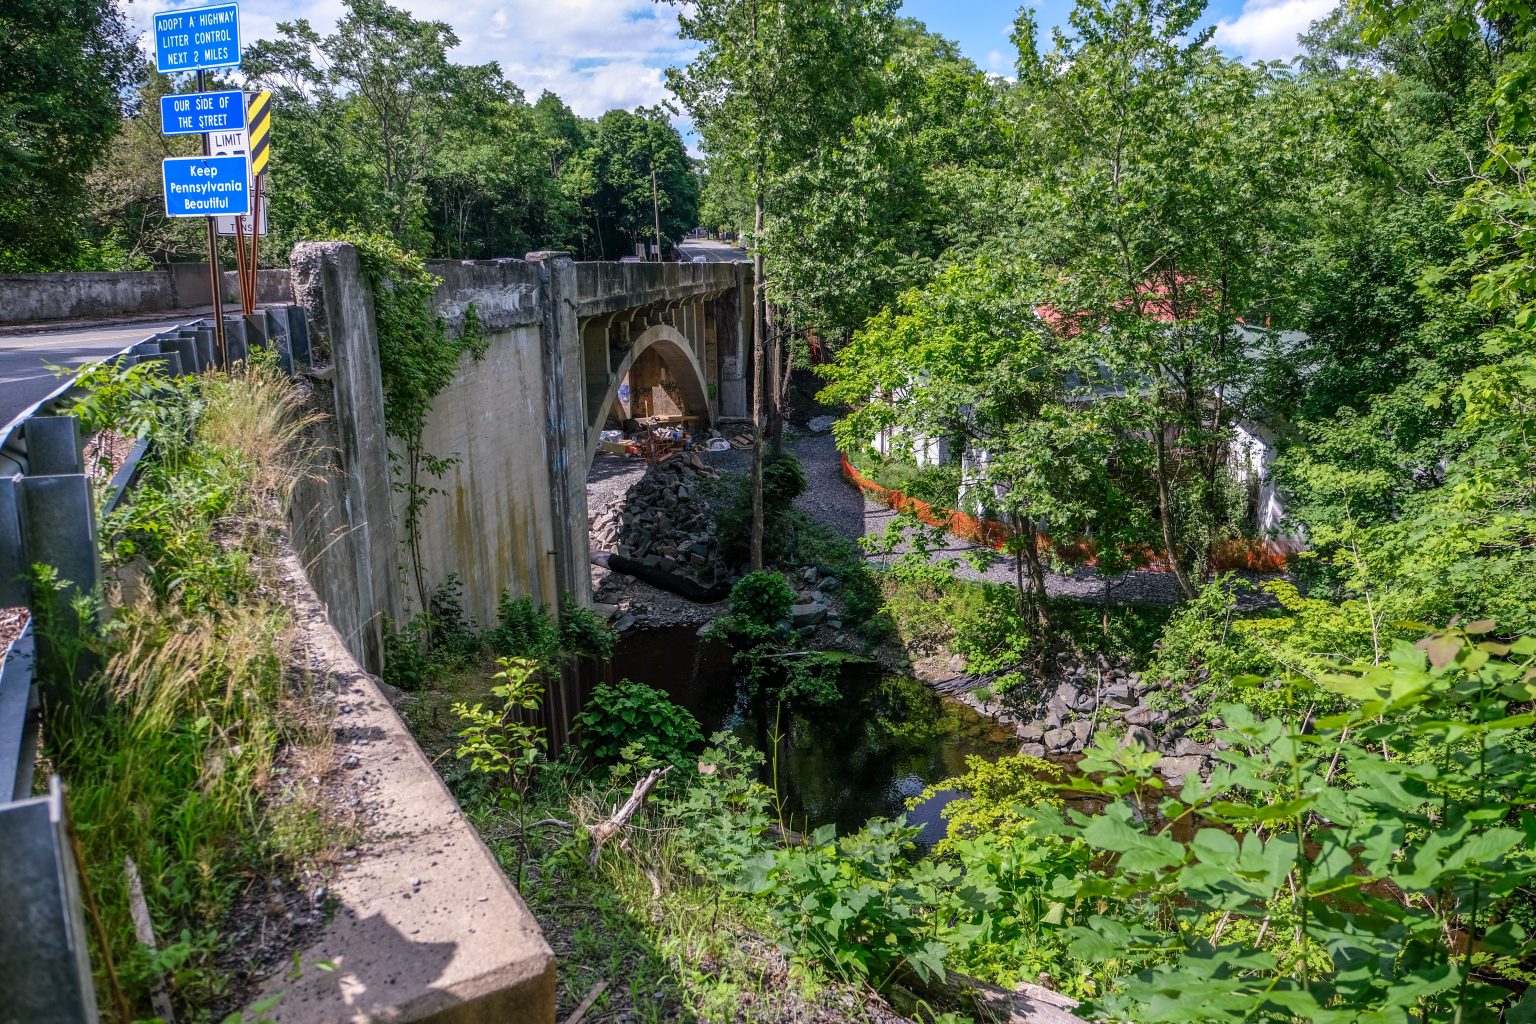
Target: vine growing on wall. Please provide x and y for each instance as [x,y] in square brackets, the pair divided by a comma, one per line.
[418,358]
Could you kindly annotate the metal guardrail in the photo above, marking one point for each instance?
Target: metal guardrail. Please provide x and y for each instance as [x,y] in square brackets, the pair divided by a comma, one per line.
[48,512]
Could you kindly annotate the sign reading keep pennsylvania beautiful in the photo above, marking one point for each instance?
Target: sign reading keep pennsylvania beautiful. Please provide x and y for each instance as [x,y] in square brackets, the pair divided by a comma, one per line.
[204,186]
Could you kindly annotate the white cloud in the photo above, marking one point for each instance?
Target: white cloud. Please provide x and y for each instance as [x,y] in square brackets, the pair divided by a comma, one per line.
[1267,29]
[596,54]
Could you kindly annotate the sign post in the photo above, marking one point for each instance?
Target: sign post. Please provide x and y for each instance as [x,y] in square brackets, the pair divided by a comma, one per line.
[197,39]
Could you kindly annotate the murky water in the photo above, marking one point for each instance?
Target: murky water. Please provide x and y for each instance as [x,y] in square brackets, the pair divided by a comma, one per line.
[865,756]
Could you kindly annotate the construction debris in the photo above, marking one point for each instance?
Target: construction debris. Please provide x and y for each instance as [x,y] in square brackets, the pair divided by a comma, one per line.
[663,522]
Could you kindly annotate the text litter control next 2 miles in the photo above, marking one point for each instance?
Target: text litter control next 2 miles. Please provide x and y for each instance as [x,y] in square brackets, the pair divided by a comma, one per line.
[198,37]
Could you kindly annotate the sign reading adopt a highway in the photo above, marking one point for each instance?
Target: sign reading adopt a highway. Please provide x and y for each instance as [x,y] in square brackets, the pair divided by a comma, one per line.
[201,112]
[197,37]
[207,186]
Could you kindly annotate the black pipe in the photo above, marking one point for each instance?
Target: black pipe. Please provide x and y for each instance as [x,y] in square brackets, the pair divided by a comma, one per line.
[692,589]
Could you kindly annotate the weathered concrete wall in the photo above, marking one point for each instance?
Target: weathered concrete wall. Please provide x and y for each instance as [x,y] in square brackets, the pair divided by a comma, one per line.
[492,523]
[427,927]
[343,513]
[25,298]
[509,513]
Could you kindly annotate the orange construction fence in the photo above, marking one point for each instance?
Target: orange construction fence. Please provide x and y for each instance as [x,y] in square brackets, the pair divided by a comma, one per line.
[1254,555]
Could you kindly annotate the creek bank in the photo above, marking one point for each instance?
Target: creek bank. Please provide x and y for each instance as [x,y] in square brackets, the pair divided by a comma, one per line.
[882,743]
[1059,712]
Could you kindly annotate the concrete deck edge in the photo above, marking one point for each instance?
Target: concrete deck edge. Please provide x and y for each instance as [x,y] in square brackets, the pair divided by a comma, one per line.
[427,926]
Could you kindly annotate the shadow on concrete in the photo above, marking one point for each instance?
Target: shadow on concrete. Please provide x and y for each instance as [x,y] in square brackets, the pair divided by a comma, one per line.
[381,968]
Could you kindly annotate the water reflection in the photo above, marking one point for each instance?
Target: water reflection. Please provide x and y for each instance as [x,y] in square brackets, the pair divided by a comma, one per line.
[888,738]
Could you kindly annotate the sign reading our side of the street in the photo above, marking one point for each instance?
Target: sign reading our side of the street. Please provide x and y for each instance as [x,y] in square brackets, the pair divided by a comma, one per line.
[197,37]
[207,186]
[201,112]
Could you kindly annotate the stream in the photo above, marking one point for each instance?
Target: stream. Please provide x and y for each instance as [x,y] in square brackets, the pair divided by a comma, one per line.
[842,764]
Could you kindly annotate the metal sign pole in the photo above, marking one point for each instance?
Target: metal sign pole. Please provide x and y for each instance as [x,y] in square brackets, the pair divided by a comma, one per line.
[255,235]
[215,277]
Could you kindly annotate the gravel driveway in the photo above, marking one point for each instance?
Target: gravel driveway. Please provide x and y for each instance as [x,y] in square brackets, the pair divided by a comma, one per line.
[832,500]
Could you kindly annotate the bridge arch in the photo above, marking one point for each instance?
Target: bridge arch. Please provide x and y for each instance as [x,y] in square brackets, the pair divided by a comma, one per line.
[676,353]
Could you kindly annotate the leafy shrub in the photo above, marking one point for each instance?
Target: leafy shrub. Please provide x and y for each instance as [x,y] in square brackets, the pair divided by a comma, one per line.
[783,482]
[524,629]
[439,640]
[502,742]
[995,636]
[583,633]
[868,910]
[1271,909]
[626,713]
[722,813]
[926,602]
[1208,644]
[856,904]
[997,798]
[761,598]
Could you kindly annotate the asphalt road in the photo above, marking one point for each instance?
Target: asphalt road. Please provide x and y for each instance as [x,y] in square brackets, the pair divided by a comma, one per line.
[706,251]
[25,357]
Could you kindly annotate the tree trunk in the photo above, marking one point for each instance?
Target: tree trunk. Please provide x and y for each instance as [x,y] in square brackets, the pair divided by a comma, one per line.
[1165,514]
[777,379]
[758,396]
[1031,551]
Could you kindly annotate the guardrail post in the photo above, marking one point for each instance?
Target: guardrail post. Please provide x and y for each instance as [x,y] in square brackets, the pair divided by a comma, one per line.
[47,976]
[236,342]
[207,352]
[15,582]
[58,530]
[277,336]
[256,330]
[54,445]
[185,345]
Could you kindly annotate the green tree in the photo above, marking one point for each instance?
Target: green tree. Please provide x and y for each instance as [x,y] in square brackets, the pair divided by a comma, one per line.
[774,83]
[969,358]
[365,113]
[626,150]
[65,66]
[1414,397]
[1140,189]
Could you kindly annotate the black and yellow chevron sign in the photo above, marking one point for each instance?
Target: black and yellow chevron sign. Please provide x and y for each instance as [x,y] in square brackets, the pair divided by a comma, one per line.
[258,115]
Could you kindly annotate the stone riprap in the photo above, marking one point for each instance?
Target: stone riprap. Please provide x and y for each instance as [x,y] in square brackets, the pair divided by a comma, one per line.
[664,522]
[1060,713]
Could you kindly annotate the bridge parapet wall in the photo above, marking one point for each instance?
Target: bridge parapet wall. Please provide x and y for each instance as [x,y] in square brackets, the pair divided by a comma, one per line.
[509,513]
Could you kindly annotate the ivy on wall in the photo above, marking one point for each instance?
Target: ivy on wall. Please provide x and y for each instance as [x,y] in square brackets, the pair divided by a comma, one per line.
[418,358]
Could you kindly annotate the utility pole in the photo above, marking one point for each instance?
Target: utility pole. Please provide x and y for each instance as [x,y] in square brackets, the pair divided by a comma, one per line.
[656,209]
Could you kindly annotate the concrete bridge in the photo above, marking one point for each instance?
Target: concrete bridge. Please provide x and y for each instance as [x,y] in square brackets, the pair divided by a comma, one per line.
[572,346]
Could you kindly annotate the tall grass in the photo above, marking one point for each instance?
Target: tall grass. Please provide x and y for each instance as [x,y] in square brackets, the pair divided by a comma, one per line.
[174,752]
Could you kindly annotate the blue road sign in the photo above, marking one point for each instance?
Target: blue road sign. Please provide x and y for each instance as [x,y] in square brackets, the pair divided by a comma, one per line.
[206,186]
[196,113]
[197,37]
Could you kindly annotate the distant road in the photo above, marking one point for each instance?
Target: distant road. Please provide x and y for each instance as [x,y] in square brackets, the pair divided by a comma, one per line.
[24,374]
[703,250]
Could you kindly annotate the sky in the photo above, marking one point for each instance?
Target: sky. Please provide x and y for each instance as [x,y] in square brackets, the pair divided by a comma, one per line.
[601,54]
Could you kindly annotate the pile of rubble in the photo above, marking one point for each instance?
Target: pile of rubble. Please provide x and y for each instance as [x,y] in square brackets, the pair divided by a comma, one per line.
[662,521]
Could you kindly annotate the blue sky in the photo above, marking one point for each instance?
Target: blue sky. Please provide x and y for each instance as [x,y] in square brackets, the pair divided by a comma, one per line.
[1257,29]
[600,54]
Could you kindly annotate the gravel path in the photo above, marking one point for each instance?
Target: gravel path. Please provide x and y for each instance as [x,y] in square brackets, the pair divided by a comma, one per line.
[834,501]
